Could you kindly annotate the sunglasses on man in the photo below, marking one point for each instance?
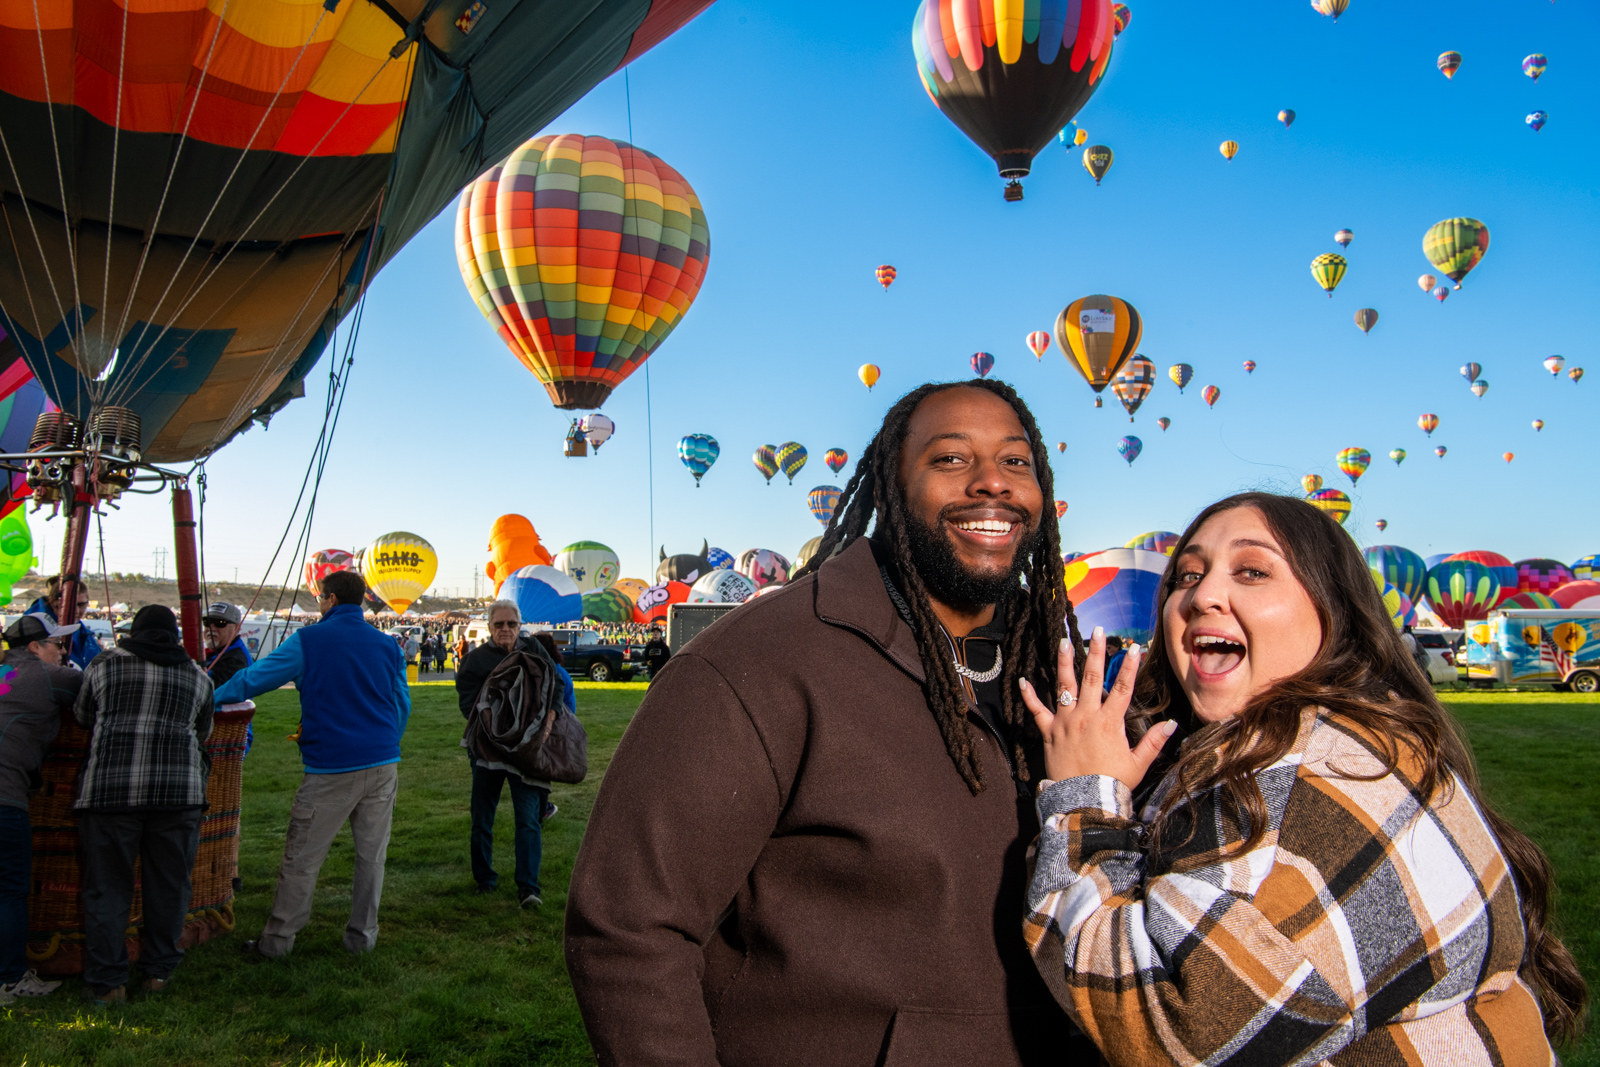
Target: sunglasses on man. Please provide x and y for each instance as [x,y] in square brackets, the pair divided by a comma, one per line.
[215,624]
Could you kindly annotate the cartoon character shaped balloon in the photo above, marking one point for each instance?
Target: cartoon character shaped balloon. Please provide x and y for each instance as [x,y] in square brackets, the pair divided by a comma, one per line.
[513,544]
[684,566]
[653,603]
[16,551]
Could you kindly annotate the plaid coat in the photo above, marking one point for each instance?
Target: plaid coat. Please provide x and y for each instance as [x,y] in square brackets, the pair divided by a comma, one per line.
[148,722]
[1370,926]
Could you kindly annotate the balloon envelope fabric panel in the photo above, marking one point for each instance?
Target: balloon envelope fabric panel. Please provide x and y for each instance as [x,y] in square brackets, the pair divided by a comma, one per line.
[1401,568]
[1118,589]
[544,594]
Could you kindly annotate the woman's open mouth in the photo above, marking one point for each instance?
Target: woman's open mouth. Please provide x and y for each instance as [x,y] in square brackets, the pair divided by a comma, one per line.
[1215,655]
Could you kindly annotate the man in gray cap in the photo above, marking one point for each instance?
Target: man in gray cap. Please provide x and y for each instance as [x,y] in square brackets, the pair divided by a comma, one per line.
[226,652]
[34,692]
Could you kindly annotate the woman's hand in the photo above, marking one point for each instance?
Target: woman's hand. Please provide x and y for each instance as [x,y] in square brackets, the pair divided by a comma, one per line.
[1086,733]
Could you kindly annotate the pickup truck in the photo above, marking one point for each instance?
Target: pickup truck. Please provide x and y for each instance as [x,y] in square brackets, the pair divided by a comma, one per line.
[584,655]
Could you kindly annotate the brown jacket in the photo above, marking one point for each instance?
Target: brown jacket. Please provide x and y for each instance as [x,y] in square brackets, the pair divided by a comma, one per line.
[783,866]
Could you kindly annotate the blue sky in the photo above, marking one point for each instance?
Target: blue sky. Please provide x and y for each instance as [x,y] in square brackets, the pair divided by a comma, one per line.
[817,156]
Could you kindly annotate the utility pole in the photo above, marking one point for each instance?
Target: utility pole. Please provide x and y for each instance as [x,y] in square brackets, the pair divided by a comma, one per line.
[161,564]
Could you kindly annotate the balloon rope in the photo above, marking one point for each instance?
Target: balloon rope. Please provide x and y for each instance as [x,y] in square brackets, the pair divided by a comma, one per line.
[649,417]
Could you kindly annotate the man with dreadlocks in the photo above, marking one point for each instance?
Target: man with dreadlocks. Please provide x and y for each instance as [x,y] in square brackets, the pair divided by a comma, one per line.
[809,847]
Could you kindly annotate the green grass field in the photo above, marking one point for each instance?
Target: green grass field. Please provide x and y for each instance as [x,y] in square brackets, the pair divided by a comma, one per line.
[460,979]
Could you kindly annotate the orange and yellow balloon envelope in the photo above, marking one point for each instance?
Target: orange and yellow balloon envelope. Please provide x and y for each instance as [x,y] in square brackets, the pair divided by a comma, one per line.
[868,373]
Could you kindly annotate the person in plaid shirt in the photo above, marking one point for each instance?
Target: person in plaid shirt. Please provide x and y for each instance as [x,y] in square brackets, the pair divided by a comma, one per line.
[139,798]
[1315,877]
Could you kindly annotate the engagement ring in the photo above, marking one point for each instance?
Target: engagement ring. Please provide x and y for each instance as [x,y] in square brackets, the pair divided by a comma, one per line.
[1066,699]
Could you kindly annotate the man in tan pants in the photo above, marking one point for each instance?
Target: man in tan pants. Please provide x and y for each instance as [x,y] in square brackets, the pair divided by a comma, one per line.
[354,704]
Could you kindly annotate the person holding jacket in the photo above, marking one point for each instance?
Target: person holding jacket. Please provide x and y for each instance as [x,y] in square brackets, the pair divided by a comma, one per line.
[354,705]
[529,797]
[140,798]
[37,691]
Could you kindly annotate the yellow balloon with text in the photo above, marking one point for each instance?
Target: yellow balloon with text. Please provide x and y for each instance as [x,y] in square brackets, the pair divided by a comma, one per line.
[399,567]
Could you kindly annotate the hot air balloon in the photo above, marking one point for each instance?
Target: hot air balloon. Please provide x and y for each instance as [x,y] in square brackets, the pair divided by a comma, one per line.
[807,550]
[324,562]
[766,461]
[1010,82]
[1330,8]
[698,452]
[1344,237]
[582,297]
[1098,334]
[513,544]
[886,275]
[1542,575]
[1038,342]
[719,558]
[608,605]
[1061,446]
[1553,364]
[1229,149]
[1576,374]
[763,567]
[1505,573]
[1579,594]
[1508,456]
[1249,366]
[1534,65]
[1120,16]
[1310,483]
[544,594]
[822,501]
[1440,451]
[1402,612]
[1441,292]
[1327,269]
[222,179]
[1118,589]
[982,364]
[1366,319]
[1428,423]
[1129,448]
[1162,541]
[1061,509]
[1163,422]
[1286,116]
[1133,383]
[1427,282]
[1449,63]
[721,587]
[1538,424]
[836,458]
[868,373]
[1382,525]
[791,457]
[1354,462]
[1097,159]
[1332,501]
[1398,455]
[1399,567]
[654,603]
[1180,373]
[1460,590]
[1455,246]
[591,565]
[1470,371]
[399,567]
[1480,387]
[631,588]
[16,551]
[1210,394]
[1539,601]
[1535,121]
[597,429]
[1071,136]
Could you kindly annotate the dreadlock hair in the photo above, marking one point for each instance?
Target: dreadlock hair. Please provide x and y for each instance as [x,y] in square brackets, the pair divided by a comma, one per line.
[1037,617]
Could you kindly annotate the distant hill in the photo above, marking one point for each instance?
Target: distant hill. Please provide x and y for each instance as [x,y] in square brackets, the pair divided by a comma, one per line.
[137,590]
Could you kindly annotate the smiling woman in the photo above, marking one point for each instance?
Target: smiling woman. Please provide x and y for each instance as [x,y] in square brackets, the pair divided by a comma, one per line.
[1317,860]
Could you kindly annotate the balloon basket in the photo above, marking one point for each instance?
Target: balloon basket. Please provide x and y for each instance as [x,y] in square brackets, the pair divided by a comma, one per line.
[1013,191]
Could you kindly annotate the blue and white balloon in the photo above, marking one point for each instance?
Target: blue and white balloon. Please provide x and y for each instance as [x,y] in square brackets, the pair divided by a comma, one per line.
[544,594]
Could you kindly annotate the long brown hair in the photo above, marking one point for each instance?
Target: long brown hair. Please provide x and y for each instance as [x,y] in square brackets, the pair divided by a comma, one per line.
[1364,673]
[1037,618]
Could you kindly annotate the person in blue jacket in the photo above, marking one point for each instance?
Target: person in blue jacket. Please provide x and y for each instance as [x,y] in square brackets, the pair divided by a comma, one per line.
[354,705]
[83,646]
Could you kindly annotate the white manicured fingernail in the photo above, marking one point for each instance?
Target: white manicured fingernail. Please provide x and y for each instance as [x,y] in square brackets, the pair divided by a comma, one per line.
[1066,645]
[1099,632]
[1169,727]
[1133,649]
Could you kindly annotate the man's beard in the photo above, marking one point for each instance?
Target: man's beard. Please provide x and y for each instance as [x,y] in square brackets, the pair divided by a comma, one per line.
[951,582]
